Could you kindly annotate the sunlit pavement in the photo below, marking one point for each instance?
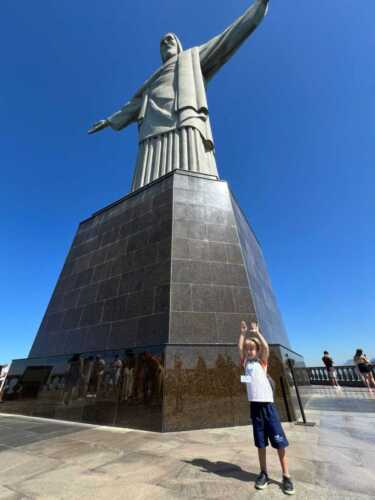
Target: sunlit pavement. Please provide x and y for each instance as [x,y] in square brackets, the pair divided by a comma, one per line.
[42,459]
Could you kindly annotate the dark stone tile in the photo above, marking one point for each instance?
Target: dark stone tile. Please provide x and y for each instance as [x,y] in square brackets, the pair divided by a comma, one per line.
[56,303]
[153,330]
[132,282]
[228,274]
[70,299]
[191,249]
[212,298]
[242,300]
[109,237]
[180,248]
[187,327]
[85,248]
[162,198]
[82,264]
[138,241]
[102,272]
[215,215]
[108,229]
[145,256]
[164,250]
[95,338]
[116,249]
[68,268]
[88,295]
[190,272]
[162,212]
[109,289]
[162,299]
[199,250]
[92,314]
[234,254]
[190,229]
[217,252]
[83,278]
[142,223]
[223,233]
[71,319]
[115,309]
[188,196]
[123,334]
[228,326]
[83,237]
[54,321]
[217,196]
[160,231]
[73,341]
[140,303]
[188,211]
[122,265]
[65,285]
[125,230]
[181,297]
[158,274]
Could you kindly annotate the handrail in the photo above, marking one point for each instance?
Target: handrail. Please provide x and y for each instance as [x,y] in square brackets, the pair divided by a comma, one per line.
[346,375]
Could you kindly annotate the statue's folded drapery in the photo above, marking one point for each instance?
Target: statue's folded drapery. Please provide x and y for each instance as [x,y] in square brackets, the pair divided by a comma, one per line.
[171,107]
[181,149]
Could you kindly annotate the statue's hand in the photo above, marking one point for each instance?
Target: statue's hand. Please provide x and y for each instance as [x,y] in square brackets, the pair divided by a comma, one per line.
[100,125]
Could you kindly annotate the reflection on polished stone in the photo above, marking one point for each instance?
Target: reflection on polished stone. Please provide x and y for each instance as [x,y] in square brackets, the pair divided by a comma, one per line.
[122,388]
[166,388]
[203,388]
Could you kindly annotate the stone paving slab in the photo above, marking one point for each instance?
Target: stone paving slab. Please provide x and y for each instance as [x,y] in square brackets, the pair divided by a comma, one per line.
[41,459]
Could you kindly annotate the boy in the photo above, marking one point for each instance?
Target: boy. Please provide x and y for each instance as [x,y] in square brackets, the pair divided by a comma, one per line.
[254,354]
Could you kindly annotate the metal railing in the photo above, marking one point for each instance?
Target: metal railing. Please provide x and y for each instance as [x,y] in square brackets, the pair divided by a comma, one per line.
[345,375]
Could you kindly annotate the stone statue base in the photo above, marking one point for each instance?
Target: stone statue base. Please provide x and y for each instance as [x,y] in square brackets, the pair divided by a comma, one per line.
[151,297]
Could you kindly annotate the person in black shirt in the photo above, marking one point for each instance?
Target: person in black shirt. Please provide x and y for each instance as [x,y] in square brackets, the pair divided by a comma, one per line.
[328,362]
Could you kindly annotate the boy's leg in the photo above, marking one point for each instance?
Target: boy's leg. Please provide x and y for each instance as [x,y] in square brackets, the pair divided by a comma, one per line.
[283,461]
[262,454]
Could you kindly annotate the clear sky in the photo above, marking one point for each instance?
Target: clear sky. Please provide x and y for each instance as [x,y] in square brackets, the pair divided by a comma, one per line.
[294,121]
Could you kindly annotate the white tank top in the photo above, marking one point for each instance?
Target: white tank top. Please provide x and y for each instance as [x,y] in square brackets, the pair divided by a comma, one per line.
[258,386]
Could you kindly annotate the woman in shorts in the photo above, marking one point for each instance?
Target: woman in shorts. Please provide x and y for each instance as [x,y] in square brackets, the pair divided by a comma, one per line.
[364,368]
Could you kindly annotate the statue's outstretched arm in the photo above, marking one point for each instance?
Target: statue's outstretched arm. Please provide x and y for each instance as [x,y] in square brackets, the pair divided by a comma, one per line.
[217,51]
[121,119]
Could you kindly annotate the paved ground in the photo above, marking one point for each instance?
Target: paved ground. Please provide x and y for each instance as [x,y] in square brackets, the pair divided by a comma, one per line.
[50,460]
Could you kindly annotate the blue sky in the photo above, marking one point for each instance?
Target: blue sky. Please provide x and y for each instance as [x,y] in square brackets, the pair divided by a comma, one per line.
[294,121]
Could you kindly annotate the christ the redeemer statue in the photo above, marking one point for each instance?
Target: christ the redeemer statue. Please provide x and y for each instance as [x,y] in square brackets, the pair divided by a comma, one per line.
[171,106]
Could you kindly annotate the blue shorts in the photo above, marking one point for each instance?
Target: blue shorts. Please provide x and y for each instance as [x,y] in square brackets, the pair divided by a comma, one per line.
[267,426]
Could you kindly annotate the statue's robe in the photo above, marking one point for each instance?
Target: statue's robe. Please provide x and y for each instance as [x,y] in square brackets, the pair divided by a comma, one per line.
[171,107]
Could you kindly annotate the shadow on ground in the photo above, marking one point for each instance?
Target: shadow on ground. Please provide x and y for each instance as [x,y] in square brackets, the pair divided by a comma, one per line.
[225,469]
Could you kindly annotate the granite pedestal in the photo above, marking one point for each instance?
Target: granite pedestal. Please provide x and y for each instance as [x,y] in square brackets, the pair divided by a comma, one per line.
[151,296]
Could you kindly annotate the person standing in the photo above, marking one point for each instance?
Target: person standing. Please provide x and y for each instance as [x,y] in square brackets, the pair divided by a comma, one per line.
[332,375]
[364,368]
[254,353]
[72,378]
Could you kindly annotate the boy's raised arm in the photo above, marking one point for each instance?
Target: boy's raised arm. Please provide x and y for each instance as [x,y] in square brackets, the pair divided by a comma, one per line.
[241,340]
[264,350]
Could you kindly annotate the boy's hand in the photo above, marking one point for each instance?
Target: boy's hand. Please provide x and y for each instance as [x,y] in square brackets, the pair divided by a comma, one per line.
[243,327]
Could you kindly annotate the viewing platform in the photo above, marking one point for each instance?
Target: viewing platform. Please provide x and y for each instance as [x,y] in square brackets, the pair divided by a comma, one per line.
[44,459]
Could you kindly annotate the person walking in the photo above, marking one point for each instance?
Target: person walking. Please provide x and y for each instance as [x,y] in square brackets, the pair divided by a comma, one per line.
[329,364]
[364,368]
[254,352]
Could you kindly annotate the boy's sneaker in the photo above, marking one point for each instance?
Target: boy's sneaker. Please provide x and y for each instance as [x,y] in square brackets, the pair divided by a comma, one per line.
[262,481]
[288,487]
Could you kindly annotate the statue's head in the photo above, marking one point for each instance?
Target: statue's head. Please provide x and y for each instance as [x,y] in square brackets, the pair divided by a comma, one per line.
[170,46]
